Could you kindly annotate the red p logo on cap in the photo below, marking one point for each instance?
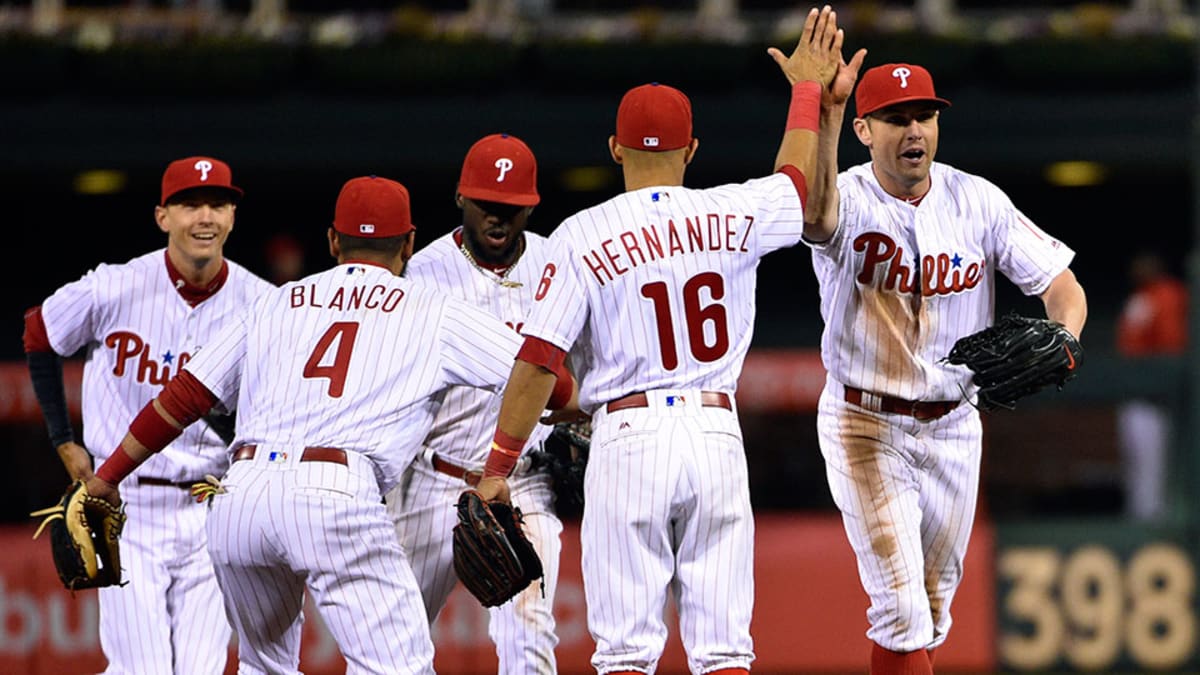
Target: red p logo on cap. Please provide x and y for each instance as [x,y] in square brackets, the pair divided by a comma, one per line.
[500,168]
[373,207]
[654,117]
[894,83]
[196,172]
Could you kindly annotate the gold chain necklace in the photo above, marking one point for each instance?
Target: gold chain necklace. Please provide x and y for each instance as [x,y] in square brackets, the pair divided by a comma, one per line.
[502,278]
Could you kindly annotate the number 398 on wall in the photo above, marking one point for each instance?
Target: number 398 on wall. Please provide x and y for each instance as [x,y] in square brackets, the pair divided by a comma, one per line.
[1085,608]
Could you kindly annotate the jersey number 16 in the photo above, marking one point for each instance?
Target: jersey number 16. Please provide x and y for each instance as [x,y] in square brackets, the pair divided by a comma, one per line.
[696,318]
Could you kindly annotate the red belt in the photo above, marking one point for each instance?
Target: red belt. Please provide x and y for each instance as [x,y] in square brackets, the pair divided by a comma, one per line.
[708,399]
[470,477]
[335,455]
[921,410]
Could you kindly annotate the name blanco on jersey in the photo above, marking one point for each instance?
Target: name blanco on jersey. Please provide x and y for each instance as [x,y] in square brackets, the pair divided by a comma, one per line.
[940,275]
[376,297]
[714,232]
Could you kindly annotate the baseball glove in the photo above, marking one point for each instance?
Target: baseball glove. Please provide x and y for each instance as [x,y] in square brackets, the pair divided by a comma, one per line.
[84,536]
[492,556]
[1017,357]
[564,456]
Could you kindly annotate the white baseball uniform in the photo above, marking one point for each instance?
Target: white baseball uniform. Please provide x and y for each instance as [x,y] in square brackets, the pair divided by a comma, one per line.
[137,331]
[423,505]
[658,284]
[899,285]
[335,378]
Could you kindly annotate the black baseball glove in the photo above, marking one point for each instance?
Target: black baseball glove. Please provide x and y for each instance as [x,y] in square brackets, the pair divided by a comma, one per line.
[1017,357]
[564,456]
[492,556]
[84,538]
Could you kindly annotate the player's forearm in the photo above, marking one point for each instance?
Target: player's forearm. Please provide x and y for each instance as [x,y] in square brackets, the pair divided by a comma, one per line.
[183,401]
[525,397]
[798,147]
[821,211]
[1066,302]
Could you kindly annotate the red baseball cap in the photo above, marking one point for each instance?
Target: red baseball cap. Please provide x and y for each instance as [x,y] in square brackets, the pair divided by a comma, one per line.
[372,207]
[195,172]
[500,168]
[654,117]
[894,83]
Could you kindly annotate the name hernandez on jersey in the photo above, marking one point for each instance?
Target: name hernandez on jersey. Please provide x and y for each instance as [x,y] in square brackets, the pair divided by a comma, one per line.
[642,245]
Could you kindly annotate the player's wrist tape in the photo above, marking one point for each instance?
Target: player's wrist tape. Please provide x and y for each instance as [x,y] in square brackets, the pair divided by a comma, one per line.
[805,109]
[117,467]
[152,430]
[504,454]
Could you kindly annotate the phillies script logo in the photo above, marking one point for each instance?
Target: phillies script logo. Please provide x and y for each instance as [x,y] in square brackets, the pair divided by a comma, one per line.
[133,354]
[940,274]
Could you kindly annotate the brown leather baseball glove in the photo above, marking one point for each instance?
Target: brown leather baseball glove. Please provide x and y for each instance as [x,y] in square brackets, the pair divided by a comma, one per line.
[492,556]
[85,532]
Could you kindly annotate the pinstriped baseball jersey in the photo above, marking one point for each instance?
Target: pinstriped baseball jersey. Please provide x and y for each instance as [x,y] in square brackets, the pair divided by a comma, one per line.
[423,507]
[668,278]
[138,332]
[466,419]
[351,358]
[900,283]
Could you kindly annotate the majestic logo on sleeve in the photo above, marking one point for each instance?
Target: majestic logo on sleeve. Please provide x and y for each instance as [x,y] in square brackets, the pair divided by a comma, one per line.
[902,73]
[132,356]
[505,165]
[203,166]
[884,266]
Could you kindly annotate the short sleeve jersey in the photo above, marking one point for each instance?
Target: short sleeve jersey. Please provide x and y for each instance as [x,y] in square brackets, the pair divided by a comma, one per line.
[137,332]
[659,284]
[900,283]
[353,358]
[466,418]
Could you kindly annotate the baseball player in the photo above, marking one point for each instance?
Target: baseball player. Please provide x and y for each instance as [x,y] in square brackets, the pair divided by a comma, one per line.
[137,324]
[492,262]
[658,283]
[907,251]
[334,377]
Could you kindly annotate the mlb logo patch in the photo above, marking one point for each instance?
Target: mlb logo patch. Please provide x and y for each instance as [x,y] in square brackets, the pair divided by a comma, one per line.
[277,457]
[366,228]
[660,196]
[673,401]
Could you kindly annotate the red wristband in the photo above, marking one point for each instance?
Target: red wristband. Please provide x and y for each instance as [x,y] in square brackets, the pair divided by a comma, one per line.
[151,430]
[503,457]
[805,109]
[117,467]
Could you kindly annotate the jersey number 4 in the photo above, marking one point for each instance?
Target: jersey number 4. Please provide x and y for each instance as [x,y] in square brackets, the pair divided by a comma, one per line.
[696,317]
[344,333]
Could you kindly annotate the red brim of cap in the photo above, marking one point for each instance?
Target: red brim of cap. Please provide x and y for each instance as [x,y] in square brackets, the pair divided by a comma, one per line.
[228,188]
[500,197]
[942,103]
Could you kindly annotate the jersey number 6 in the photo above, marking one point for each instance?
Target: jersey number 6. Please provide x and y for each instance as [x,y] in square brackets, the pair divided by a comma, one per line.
[695,316]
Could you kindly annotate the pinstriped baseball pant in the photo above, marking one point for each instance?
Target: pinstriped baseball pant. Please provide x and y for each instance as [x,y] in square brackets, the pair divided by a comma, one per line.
[907,491]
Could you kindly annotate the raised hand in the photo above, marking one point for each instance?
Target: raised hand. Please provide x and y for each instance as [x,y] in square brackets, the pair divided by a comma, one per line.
[838,92]
[818,54]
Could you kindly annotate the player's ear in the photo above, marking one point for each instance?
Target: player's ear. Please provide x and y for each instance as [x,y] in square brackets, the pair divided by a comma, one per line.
[863,131]
[458,199]
[691,151]
[160,217]
[614,149]
[335,246]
